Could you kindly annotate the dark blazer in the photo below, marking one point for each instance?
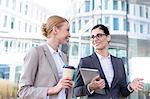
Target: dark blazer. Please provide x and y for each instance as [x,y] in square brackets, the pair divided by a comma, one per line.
[119,83]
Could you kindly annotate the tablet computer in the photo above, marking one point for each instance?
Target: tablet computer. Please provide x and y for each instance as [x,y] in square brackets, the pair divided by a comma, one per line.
[87,75]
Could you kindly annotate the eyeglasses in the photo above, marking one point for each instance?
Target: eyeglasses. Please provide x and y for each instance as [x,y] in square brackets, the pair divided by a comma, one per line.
[99,35]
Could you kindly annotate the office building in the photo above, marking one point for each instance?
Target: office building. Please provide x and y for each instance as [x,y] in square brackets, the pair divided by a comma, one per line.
[20,22]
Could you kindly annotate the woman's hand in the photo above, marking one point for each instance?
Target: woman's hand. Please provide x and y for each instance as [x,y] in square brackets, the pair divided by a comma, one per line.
[137,84]
[62,84]
[97,83]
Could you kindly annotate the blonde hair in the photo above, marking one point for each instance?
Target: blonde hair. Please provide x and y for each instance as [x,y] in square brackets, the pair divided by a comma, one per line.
[51,22]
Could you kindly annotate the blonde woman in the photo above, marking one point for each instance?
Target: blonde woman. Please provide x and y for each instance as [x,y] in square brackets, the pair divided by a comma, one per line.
[42,74]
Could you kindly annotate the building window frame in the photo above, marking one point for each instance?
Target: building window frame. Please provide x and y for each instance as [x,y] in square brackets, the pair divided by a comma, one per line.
[123,5]
[141,28]
[87,6]
[115,23]
[115,4]
[141,11]
[73,27]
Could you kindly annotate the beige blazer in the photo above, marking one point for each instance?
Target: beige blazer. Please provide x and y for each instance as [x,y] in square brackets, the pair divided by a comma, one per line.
[39,74]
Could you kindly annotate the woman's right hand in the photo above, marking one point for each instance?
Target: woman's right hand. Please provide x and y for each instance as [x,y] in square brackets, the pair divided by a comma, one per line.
[62,84]
[97,83]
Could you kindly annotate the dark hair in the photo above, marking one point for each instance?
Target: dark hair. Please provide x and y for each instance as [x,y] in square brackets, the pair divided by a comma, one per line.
[102,27]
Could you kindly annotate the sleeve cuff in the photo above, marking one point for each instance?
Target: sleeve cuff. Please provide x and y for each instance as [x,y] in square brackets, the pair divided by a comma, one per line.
[129,88]
[91,92]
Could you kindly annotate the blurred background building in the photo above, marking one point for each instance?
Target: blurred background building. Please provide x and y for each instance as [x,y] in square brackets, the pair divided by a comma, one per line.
[20,22]
[128,22]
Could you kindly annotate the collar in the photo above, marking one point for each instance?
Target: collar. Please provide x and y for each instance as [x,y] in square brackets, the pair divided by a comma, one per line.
[102,57]
[54,51]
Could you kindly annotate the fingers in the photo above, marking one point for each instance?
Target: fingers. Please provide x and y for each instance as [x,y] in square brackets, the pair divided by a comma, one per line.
[100,84]
[137,85]
[96,78]
[66,83]
[138,79]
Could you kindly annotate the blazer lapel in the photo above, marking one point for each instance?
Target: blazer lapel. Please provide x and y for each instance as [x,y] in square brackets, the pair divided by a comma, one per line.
[114,64]
[51,62]
[64,58]
[97,64]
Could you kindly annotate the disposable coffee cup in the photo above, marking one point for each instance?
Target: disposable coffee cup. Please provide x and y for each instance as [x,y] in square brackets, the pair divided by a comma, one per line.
[68,72]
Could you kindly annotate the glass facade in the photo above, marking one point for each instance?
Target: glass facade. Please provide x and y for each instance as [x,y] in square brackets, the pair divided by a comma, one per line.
[4,71]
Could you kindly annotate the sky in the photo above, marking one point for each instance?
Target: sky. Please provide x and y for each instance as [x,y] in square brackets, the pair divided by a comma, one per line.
[58,7]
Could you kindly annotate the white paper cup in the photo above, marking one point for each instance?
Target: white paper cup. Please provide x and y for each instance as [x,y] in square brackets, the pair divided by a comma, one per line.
[68,72]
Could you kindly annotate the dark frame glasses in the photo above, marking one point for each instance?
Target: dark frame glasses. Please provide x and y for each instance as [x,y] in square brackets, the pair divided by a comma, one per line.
[99,35]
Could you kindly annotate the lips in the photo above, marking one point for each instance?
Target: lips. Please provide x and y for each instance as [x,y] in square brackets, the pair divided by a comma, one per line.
[96,43]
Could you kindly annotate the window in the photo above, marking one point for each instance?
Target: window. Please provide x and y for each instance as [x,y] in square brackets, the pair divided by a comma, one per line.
[13,4]
[26,9]
[73,27]
[146,12]
[25,28]
[134,10]
[106,20]
[86,22]
[93,4]
[37,13]
[12,23]
[74,50]
[11,43]
[35,28]
[19,44]
[141,28]
[85,49]
[106,4]
[6,46]
[20,7]
[128,8]
[115,5]
[126,25]
[30,28]
[116,24]
[5,21]
[4,70]
[134,27]
[87,6]
[79,24]
[123,3]
[74,47]
[17,73]
[7,3]
[19,25]
[141,11]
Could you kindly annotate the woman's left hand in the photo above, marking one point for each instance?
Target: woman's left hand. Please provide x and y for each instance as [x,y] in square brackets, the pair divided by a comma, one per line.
[137,84]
